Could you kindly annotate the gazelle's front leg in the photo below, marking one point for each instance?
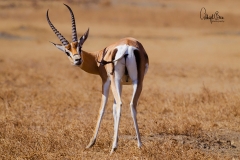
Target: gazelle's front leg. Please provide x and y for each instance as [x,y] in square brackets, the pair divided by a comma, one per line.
[105,91]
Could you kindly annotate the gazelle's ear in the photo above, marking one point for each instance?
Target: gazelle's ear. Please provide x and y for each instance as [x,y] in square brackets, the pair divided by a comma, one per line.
[83,38]
[59,46]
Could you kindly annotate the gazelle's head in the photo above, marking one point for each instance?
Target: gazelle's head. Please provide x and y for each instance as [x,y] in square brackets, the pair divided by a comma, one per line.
[73,50]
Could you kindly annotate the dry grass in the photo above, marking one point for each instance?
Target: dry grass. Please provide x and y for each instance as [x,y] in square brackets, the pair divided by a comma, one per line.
[190,105]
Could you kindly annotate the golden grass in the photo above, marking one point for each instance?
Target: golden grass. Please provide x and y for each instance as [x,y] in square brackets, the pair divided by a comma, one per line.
[189,107]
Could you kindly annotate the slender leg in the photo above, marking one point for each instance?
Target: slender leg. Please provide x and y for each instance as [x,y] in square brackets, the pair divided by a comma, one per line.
[137,88]
[134,66]
[105,91]
[114,113]
[116,88]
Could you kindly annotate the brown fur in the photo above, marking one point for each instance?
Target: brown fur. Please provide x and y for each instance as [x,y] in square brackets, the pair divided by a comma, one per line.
[72,47]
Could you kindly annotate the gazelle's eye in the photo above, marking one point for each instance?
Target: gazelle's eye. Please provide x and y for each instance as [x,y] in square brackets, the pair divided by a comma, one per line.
[67,53]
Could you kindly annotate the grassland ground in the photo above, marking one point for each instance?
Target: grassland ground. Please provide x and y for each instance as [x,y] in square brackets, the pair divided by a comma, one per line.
[190,104]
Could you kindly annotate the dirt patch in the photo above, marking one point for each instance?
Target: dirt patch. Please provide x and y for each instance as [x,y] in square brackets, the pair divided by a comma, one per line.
[224,143]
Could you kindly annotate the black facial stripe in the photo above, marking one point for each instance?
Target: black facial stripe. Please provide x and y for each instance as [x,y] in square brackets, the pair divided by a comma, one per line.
[80,50]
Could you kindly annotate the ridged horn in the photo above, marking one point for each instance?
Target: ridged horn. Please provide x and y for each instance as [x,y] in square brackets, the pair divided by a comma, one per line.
[74,30]
[62,39]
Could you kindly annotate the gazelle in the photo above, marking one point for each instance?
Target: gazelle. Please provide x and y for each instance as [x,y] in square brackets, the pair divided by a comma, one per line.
[124,62]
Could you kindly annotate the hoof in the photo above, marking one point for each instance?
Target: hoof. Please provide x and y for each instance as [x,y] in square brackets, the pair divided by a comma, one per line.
[113,150]
[91,143]
[139,145]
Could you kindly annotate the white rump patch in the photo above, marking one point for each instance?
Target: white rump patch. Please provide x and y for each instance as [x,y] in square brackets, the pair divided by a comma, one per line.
[121,52]
[129,62]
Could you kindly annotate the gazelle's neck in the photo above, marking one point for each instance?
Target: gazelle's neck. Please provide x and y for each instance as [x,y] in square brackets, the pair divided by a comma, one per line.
[89,63]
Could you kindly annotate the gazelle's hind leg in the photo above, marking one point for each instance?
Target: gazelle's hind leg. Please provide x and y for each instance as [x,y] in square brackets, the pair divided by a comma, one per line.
[137,77]
[137,88]
[105,91]
[116,88]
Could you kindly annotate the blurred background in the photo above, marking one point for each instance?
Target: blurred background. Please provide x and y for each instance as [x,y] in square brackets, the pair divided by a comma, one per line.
[171,31]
